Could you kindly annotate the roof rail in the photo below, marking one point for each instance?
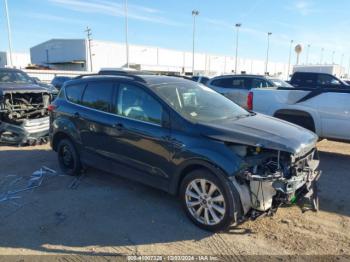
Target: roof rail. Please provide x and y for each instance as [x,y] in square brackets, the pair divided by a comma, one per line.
[135,77]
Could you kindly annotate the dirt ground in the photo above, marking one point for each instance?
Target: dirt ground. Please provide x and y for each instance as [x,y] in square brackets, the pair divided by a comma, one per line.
[105,215]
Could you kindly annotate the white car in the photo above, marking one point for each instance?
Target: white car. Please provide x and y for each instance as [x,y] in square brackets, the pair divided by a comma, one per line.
[323,110]
[237,87]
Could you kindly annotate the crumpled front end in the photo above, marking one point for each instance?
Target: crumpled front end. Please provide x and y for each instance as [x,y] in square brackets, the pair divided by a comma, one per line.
[273,178]
[33,131]
[24,118]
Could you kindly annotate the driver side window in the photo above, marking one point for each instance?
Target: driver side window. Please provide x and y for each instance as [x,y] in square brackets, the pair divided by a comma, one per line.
[135,103]
[328,80]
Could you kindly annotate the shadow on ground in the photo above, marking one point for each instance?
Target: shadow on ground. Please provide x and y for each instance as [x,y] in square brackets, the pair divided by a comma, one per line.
[108,211]
[104,210]
[334,183]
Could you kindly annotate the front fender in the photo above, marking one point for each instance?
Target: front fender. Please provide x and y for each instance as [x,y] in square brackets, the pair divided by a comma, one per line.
[225,164]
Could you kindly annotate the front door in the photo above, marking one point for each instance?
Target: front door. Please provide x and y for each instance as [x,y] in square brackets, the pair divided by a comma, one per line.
[141,141]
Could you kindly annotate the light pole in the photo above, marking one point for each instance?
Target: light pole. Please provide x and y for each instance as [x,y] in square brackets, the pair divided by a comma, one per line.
[8,31]
[333,57]
[341,60]
[307,53]
[290,54]
[194,14]
[321,57]
[126,33]
[267,51]
[238,25]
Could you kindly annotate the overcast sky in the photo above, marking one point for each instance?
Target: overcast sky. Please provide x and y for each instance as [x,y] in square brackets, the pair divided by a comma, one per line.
[168,23]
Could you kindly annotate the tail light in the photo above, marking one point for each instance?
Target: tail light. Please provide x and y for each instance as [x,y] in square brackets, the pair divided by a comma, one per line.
[51,107]
[250,101]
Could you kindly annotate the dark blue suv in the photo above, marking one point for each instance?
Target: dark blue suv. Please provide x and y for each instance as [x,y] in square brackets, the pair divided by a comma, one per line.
[225,163]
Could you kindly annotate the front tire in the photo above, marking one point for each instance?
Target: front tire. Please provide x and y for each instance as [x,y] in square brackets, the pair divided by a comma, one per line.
[68,158]
[211,203]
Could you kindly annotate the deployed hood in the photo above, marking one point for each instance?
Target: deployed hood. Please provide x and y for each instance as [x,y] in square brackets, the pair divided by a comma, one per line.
[20,88]
[265,131]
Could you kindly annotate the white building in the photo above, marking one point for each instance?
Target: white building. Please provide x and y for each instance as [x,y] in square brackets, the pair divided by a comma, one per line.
[19,60]
[73,54]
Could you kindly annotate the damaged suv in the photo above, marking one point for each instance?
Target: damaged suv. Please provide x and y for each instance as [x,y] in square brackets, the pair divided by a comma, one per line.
[225,163]
[24,117]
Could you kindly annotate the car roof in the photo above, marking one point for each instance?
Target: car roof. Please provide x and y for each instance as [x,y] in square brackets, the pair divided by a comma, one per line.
[241,75]
[150,80]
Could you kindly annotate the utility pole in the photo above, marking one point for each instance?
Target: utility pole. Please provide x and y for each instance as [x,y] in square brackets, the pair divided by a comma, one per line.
[8,32]
[238,25]
[333,53]
[194,14]
[290,54]
[126,34]
[341,60]
[267,51]
[321,57]
[89,34]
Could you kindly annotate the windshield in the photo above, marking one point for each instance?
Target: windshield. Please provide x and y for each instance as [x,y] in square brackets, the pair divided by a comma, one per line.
[198,103]
[15,77]
[280,83]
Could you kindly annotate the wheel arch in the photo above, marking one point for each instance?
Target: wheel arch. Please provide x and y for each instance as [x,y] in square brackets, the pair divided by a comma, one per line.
[287,112]
[64,128]
[190,166]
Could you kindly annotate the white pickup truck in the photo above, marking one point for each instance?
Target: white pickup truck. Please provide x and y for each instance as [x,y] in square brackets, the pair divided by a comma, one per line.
[324,109]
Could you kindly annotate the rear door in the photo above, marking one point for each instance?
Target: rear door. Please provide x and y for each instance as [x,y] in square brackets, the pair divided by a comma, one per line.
[234,88]
[96,123]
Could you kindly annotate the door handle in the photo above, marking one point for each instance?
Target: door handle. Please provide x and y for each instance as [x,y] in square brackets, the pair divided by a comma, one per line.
[176,143]
[76,115]
[118,126]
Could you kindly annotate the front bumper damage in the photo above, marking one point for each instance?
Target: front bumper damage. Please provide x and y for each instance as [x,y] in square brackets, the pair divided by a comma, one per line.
[284,182]
[29,131]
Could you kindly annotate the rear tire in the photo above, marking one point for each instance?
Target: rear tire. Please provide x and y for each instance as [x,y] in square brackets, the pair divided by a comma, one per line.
[211,203]
[68,158]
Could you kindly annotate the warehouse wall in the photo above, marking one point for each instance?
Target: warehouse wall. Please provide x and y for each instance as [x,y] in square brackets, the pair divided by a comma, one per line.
[19,60]
[110,54]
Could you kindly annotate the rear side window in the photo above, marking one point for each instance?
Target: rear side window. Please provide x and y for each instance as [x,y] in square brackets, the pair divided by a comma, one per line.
[74,92]
[98,95]
[231,82]
[239,83]
[204,80]
[223,82]
[305,80]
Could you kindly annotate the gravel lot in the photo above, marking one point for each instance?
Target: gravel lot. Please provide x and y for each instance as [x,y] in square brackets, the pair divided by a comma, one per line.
[108,215]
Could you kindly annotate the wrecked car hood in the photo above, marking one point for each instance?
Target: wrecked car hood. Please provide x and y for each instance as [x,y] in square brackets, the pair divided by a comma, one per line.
[266,131]
[7,88]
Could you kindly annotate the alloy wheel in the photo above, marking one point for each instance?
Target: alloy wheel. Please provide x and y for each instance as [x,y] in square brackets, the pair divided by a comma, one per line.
[205,202]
